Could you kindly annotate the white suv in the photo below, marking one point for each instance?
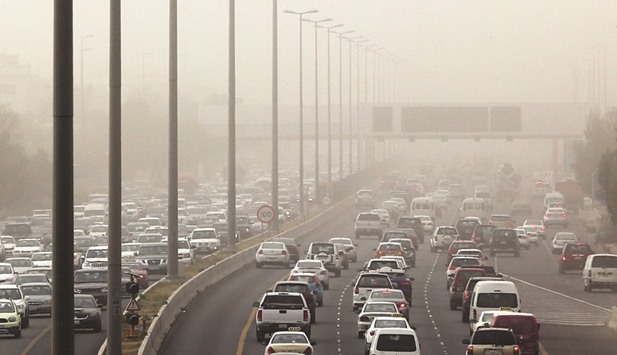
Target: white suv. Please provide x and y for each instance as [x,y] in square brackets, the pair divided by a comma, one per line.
[443,237]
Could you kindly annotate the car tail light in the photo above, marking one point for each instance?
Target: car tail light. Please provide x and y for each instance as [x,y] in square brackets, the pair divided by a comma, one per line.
[270,350]
[516,349]
[259,315]
[466,295]
[283,252]
[308,351]
[547,215]
[564,215]
[372,332]
[260,252]
[365,319]
[356,290]
[402,305]
[563,257]
[469,349]
[306,315]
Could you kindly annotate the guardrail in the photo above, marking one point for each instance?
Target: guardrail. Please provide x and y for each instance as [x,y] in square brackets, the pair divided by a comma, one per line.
[181,298]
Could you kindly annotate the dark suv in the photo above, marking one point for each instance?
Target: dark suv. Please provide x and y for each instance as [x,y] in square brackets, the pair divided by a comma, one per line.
[573,256]
[482,233]
[413,223]
[504,240]
[465,228]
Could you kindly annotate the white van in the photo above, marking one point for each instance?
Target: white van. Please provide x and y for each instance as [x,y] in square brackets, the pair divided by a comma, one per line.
[493,295]
[96,212]
[395,341]
[600,271]
[473,207]
[553,197]
[423,206]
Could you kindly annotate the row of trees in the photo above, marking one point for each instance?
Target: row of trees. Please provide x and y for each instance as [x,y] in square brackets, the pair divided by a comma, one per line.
[25,174]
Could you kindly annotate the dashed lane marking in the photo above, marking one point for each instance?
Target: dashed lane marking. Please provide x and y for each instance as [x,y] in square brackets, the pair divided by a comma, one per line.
[428,308]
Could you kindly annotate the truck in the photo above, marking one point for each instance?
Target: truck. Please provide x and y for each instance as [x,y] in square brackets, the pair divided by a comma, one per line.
[281,311]
[572,193]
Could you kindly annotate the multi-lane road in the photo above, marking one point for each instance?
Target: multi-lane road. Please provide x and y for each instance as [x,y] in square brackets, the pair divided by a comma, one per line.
[221,321]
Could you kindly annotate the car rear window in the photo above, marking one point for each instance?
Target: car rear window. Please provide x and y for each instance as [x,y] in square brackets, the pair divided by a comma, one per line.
[493,337]
[282,301]
[368,217]
[374,281]
[465,261]
[519,325]
[396,342]
[573,248]
[604,261]
[378,264]
[501,218]
[292,288]
[465,275]
[497,300]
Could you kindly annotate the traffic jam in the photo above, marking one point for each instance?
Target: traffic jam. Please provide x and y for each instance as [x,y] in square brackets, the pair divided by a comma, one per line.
[383,294]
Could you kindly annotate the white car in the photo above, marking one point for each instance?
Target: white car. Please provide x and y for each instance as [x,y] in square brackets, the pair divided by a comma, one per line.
[427,224]
[316,267]
[484,320]
[6,272]
[185,251]
[523,239]
[9,244]
[41,259]
[20,264]
[405,341]
[350,247]
[96,257]
[205,240]
[98,230]
[472,252]
[287,342]
[561,239]
[26,247]
[370,310]
[383,322]
[443,237]
[383,214]
[130,250]
[532,234]
[272,253]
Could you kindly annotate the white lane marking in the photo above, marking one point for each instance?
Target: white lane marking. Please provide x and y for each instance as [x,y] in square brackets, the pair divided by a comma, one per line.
[558,293]
[428,308]
[338,319]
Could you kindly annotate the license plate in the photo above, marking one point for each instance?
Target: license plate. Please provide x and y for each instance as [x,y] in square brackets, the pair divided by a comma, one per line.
[503,242]
[578,258]
[492,352]
[294,329]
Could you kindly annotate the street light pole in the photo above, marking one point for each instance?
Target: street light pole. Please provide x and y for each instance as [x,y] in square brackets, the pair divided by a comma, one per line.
[340,73]
[358,101]
[315,23]
[329,113]
[172,183]
[231,128]
[301,169]
[81,79]
[275,118]
[143,70]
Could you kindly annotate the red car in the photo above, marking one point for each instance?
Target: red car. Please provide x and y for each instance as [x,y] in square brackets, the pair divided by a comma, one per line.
[573,256]
[456,245]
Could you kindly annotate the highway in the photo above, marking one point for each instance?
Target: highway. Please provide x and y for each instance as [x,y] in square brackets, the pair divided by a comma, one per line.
[221,321]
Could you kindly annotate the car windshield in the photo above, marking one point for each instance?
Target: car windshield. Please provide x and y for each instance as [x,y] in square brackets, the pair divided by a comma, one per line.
[153,250]
[96,253]
[19,262]
[288,339]
[497,300]
[389,246]
[565,236]
[27,243]
[98,229]
[204,234]
[7,307]
[91,276]
[130,247]
[604,261]
[369,217]
[41,257]
[380,307]
[283,301]
[272,245]
[390,323]
[138,227]
[84,302]
[291,288]
[465,275]
[341,241]
[322,248]
[305,278]
[150,238]
[396,342]
[7,240]
[36,290]
[493,337]
[447,231]
[30,278]
[82,242]
[487,317]
[11,293]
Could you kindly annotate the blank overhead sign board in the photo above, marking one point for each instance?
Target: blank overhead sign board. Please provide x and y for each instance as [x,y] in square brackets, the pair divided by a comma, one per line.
[506,119]
[382,119]
[444,119]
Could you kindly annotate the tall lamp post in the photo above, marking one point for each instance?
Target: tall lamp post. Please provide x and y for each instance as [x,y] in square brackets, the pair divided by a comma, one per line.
[329,30]
[358,100]
[81,79]
[315,23]
[143,70]
[340,77]
[351,40]
[301,169]
[275,117]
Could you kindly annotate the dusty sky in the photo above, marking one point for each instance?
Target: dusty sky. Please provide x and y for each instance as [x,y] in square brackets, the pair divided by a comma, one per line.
[450,51]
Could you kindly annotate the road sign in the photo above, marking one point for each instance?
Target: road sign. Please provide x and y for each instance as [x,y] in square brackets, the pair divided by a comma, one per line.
[133,306]
[265,214]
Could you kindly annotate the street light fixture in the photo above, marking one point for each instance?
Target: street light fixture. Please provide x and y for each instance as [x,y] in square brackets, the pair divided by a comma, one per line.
[329,29]
[301,169]
[315,23]
[340,73]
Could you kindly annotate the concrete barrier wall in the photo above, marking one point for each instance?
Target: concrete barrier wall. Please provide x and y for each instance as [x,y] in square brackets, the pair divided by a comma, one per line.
[181,298]
[612,323]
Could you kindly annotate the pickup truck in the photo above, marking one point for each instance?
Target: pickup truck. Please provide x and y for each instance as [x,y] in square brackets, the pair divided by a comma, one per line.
[368,224]
[281,311]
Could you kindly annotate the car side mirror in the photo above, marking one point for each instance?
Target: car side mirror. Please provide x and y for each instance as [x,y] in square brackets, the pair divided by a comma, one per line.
[27,298]
[362,298]
[100,306]
[313,342]
[486,258]
[353,283]
[412,279]
[357,311]
[265,342]
[466,341]
[255,304]
[315,292]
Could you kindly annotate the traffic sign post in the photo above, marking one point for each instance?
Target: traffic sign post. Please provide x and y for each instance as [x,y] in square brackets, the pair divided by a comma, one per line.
[266,214]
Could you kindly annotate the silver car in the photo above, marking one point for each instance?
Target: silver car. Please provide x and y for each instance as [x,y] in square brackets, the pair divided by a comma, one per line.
[556,216]
[561,239]
[372,310]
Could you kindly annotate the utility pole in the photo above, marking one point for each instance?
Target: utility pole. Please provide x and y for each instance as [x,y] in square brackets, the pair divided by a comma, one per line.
[275,117]
[231,129]
[172,181]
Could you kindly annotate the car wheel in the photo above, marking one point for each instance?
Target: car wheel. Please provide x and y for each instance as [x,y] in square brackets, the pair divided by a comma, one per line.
[260,336]
[25,323]
[585,288]
[17,334]
[313,317]
[337,273]
[465,317]
[257,265]
[360,335]
[326,286]
[590,287]
[97,327]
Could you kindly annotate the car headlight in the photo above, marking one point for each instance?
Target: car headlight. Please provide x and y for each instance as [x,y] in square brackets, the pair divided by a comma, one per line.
[163,261]
[93,314]
[76,290]
[47,301]
[20,306]
[12,319]
[104,290]
[86,264]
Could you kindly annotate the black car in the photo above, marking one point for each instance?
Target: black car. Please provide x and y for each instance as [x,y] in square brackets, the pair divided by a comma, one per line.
[243,226]
[504,240]
[414,223]
[92,282]
[292,247]
[86,313]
